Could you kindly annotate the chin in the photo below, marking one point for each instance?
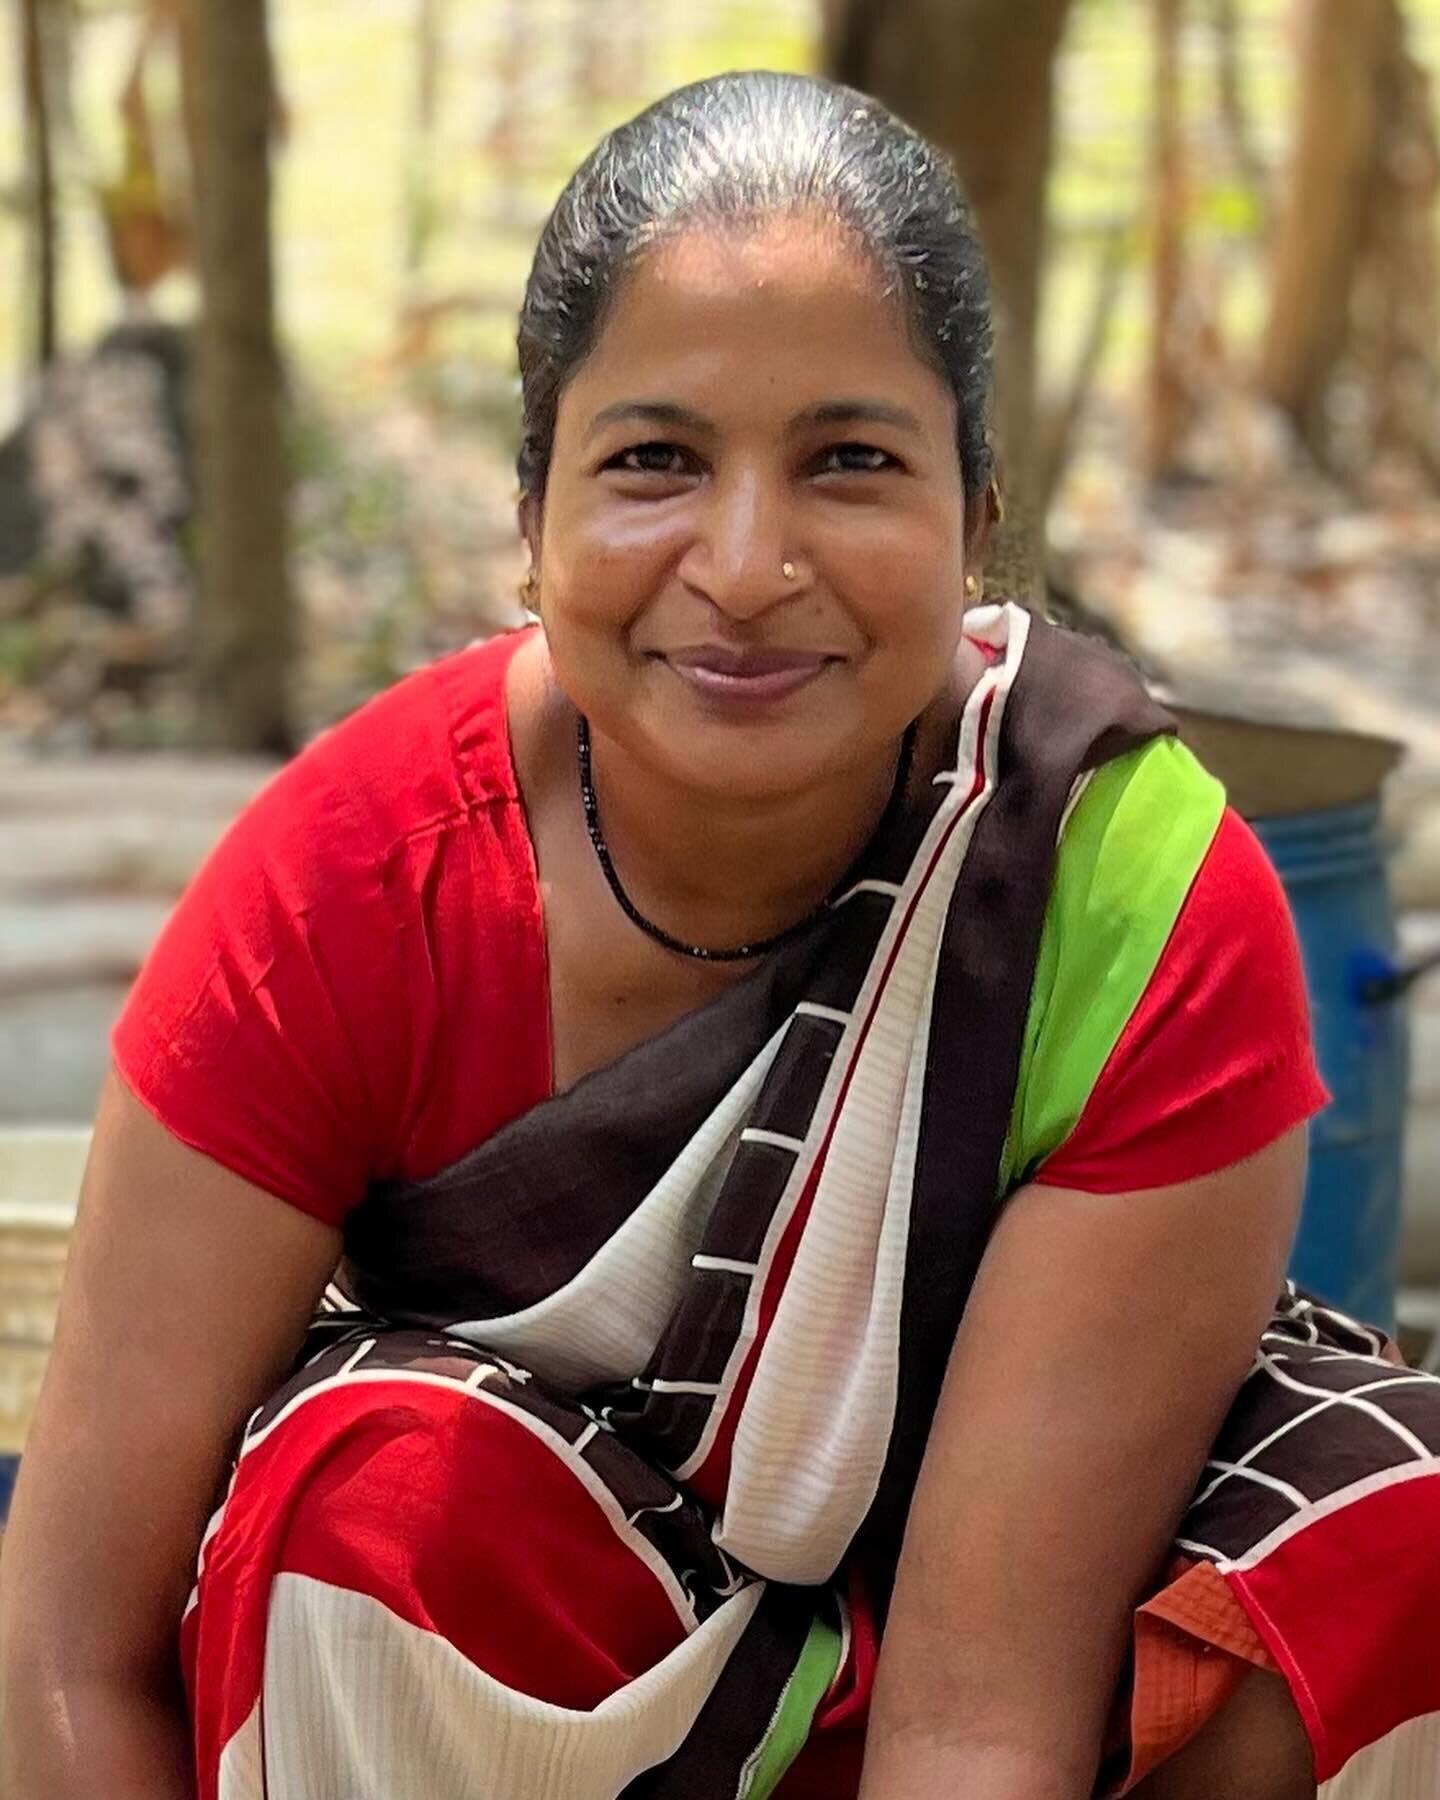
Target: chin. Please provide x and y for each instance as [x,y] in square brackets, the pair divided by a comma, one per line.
[753,771]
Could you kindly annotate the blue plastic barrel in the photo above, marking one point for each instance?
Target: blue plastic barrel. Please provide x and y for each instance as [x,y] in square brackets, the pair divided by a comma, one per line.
[1332,865]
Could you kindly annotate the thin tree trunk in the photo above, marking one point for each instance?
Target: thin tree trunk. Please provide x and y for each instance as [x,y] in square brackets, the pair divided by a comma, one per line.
[421,200]
[611,39]
[40,181]
[1234,111]
[976,77]
[1167,400]
[1321,228]
[1395,321]
[244,622]
[509,137]
[1060,427]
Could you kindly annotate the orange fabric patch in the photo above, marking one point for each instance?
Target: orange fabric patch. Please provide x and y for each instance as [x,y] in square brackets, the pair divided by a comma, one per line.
[1192,1646]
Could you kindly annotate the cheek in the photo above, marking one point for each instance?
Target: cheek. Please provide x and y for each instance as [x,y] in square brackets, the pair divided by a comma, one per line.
[600,562]
[907,578]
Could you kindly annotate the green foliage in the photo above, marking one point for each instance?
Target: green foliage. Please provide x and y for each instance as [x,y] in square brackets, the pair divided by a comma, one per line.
[22,652]
[1229,208]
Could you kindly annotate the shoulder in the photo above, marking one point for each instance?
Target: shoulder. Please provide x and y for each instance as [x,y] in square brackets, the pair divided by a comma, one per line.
[283,1020]
[1148,846]
[428,751]
[1169,1021]
[337,828]
[1133,840]
[361,842]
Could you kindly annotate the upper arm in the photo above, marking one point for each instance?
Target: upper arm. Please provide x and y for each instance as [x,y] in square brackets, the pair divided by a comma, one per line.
[1157,1135]
[270,1027]
[1167,1077]
[1103,1342]
[1105,1338]
[263,1065]
[186,1294]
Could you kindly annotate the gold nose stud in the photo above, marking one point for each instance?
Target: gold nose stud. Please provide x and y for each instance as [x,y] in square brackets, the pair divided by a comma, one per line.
[787,569]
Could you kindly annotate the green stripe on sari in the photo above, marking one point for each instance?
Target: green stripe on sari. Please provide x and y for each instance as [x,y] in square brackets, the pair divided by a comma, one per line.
[1128,855]
[818,1666]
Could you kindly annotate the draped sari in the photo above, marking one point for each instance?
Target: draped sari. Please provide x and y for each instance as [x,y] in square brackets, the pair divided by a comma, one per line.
[594,1481]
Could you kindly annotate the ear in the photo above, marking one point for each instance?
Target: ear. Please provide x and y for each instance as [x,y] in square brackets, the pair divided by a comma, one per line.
[983,512]
[529,518]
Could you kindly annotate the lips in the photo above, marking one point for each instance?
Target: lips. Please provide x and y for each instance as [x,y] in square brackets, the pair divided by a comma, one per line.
[723,672]
[747,664]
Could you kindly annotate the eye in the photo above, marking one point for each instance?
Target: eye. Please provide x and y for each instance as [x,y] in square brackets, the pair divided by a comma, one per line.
[652,459]
[855,459]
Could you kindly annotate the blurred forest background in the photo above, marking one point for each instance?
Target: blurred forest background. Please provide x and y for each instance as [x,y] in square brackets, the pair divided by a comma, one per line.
[260,265]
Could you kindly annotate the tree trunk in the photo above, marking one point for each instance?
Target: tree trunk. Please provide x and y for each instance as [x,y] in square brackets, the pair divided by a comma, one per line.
[976,77]
[245,626]
[40,180]
[509,138]
[611,38]
[421,196]
[1321,228]
[1168,404]
[1234,108]
[1395,318]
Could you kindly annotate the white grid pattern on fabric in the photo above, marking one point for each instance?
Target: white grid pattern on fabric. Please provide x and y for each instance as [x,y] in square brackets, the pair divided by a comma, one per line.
[1359,1399]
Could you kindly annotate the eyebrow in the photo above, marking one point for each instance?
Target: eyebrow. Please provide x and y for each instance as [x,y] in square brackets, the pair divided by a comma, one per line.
[829,412]
[652,412]
[858,412]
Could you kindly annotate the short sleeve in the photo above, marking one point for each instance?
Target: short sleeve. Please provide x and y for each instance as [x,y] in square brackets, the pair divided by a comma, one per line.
[265,1028]
[1216,1061]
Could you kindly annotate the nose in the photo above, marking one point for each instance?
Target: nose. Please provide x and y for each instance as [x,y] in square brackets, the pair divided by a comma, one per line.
[735,558]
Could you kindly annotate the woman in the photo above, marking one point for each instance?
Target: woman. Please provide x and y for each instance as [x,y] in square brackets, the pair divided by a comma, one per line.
[655,1008]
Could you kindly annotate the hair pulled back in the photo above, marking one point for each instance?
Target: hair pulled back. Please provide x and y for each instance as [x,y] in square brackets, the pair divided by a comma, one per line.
[738,150]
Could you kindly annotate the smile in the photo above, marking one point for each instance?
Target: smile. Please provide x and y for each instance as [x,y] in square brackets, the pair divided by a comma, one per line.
[747,675]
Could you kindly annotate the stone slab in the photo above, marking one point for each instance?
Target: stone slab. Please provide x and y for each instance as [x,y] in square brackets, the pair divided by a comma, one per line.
[75,943]
[162,785]
[125,852]
[40,1171]
[54,1051]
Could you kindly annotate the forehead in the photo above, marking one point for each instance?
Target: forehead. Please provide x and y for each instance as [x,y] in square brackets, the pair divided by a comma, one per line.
[794,308]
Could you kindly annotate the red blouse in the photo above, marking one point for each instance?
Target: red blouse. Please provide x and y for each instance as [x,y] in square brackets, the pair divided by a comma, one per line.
[354,985]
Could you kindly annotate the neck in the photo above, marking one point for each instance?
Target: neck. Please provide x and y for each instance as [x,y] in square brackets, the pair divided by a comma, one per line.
[720,872]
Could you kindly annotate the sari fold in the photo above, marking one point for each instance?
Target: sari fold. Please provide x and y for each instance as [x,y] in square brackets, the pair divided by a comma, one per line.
[597,1483]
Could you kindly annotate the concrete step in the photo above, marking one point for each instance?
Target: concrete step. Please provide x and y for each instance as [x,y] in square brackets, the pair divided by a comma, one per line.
[75,942]
[1420,1263]
[125,826]
[122,852]
[160,786]
[40,1173]
[54,1050]
[22,1369]
[1420,1238]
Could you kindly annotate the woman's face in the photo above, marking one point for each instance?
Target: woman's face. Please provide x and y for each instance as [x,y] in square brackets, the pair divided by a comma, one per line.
[753,401]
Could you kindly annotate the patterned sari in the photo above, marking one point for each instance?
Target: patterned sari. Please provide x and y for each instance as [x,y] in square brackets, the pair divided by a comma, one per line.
[596,1482]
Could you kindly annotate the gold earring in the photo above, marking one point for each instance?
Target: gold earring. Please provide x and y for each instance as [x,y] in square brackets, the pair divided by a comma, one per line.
[997,501]
[530,590]
[972,586]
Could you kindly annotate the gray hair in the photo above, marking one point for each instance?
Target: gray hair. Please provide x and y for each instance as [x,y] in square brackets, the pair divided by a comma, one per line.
[739,149]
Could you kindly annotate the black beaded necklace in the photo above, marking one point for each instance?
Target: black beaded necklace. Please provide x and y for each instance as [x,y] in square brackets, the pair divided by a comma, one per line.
[743,952]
